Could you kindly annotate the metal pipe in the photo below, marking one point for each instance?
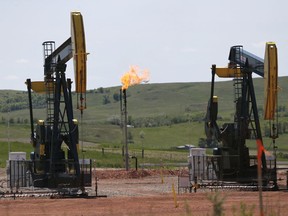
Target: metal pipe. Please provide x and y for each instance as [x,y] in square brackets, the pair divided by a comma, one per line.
[136,162]
[125,131]
[121,121]
[213,71]
[28,82]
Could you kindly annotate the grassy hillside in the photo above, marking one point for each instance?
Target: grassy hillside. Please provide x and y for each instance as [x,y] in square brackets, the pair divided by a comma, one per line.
[177,108]
[144,100]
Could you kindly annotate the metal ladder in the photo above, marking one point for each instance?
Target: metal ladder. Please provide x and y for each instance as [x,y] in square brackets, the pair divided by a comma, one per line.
[238,79]
[49,47]
[238,87]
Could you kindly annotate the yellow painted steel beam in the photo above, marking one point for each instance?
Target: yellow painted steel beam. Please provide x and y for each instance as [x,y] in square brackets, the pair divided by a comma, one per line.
[270,81]
[79,51]
[38,87]
[41,87]
[226,72]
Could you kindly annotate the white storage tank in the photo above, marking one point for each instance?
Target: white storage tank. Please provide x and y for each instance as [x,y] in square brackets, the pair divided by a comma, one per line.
[197,163]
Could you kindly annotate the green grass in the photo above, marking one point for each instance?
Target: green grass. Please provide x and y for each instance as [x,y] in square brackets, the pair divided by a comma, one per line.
[14,147]
[167,137]
[159,144]
[108,159]
[15,131]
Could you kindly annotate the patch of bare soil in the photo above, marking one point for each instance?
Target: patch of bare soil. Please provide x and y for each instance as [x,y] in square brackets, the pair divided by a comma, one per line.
[123,174]
[148,192]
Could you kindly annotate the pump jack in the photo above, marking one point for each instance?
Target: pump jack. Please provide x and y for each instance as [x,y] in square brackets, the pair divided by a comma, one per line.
[234,161]
[52,166]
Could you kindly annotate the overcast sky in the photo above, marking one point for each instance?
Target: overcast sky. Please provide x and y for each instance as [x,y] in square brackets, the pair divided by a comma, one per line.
[176,40]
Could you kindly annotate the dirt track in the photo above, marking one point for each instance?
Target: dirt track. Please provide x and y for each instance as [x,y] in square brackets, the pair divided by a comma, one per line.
[149,194]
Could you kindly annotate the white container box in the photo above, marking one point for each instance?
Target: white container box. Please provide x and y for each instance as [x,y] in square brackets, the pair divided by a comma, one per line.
[197,163]
[16,169]
[16,156]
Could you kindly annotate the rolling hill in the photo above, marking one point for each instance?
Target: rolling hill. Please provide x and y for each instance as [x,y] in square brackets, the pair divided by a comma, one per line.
[171,112]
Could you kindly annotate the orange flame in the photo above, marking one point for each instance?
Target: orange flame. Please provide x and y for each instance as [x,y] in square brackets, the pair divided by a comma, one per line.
[132,78]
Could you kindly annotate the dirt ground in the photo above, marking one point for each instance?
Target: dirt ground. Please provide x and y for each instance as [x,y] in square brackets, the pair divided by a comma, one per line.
[148,192]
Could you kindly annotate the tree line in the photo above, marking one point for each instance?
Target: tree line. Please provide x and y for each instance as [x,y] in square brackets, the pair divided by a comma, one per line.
[20,101]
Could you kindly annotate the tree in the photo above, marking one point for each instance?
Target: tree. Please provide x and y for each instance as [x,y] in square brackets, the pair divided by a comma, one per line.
[100,90]
[116,96]
[11,120]
[106,99]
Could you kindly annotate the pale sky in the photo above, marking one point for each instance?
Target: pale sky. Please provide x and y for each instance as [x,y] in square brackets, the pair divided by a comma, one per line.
[176,40]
